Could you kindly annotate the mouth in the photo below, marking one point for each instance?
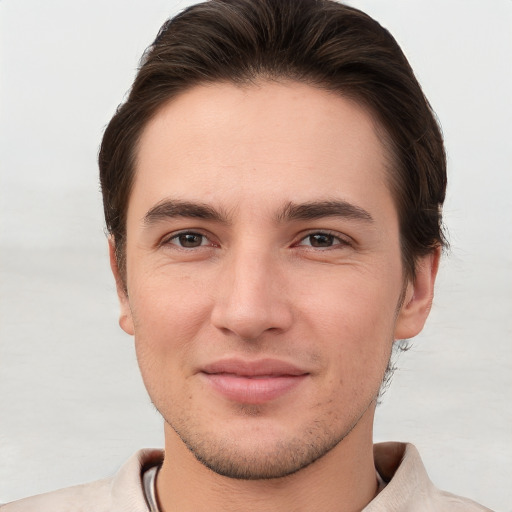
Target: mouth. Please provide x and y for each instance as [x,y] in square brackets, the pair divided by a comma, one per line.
[253,382]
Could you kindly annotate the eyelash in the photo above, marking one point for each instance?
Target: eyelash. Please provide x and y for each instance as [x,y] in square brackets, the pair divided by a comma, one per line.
[335,239]
[176,236]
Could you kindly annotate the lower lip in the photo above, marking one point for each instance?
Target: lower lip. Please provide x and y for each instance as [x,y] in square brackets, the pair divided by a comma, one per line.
[253,390]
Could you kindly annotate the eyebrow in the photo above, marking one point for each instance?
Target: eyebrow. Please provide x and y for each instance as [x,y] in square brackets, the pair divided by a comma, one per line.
[172,208]
[320,209]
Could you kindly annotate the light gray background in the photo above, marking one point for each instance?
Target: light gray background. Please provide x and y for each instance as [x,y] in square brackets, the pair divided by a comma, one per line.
[72,405]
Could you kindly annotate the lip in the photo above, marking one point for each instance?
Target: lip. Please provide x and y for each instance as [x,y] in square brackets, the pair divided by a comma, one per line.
[253,382]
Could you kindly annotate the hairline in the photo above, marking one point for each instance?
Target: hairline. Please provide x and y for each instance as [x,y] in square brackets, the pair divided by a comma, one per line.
[390,152]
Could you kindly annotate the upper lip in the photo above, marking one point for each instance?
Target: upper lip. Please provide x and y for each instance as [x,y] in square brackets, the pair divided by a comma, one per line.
[257,368]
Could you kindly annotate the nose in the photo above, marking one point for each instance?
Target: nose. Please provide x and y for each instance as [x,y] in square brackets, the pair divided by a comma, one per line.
[250,297]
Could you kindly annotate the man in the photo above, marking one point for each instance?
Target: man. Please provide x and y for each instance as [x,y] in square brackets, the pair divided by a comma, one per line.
[273,189]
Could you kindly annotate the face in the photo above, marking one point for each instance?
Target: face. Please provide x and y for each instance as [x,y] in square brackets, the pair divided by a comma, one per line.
[264,277]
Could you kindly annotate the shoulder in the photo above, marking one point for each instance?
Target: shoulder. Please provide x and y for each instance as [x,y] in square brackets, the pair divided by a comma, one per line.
[95,495]
[452,503]
[408,486]
[120,493]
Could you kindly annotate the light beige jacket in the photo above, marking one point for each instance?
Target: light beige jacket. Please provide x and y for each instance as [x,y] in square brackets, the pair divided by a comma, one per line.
[409,488]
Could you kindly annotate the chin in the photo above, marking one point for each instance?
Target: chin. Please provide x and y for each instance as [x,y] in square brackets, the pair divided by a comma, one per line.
[261,451]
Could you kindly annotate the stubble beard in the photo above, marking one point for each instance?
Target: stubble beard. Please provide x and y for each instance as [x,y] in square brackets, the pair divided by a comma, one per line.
[225,456]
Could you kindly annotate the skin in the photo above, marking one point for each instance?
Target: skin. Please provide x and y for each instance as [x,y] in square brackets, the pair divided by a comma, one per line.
[256,279]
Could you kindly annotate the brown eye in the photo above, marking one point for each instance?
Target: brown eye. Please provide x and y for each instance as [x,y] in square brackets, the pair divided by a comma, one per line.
[321,240]
[188,240]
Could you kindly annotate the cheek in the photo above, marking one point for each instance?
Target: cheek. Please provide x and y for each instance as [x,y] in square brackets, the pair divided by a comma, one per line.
[171,304]
[167,315]
[354,321]
[356,305]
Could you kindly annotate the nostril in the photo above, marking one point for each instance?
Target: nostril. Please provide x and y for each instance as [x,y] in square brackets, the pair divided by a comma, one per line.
[249,324]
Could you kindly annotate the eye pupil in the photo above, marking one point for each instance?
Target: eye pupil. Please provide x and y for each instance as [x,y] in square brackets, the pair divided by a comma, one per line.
[321,240]
[190,240]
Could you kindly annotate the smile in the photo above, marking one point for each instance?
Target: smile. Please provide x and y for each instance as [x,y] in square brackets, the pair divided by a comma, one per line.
[254,382]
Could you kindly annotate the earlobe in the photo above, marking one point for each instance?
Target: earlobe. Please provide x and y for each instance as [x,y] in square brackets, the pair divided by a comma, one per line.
[125,315]
[418,297]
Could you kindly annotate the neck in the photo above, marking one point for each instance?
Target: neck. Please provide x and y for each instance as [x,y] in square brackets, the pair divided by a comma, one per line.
[343,480]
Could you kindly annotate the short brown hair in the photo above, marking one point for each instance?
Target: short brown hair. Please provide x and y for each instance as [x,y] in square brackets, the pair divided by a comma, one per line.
[319,42]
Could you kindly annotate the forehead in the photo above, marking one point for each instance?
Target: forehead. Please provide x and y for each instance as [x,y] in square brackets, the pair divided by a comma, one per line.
[283,141]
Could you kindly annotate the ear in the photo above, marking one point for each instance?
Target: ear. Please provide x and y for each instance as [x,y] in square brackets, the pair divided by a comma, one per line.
[125,316]
[419,295]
